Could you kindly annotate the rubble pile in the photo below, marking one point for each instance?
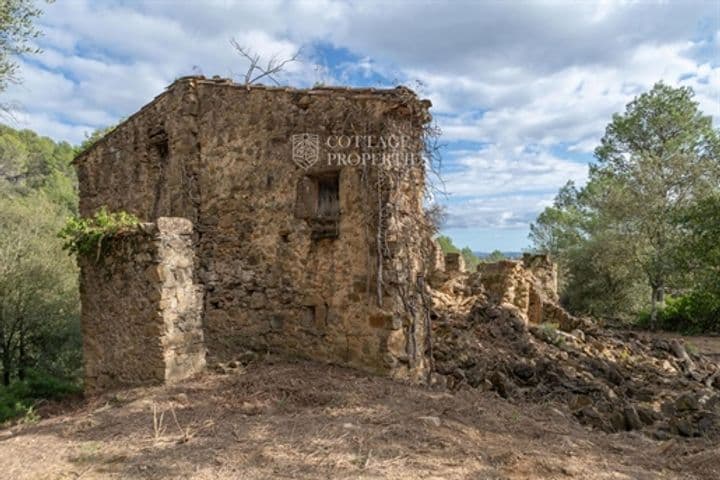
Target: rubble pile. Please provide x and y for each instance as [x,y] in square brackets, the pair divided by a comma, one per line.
[610,380]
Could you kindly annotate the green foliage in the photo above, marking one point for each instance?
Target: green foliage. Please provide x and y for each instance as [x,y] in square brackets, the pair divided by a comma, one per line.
[446,244]
[696,312]
[20,398]
[17,31]
[30,163]
[85,236]
[494,256]
[635,231]
[40,342]
[700,252]
[39,306]
[564,224]
[549,333]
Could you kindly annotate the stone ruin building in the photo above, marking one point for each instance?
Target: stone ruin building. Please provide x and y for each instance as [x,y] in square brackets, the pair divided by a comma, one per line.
[274,220]
[291,222]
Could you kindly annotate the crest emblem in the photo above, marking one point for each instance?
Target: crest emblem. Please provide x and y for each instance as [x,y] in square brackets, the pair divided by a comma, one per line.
[305,149]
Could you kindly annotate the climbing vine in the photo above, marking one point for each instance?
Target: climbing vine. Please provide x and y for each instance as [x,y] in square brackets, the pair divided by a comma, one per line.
[85,235]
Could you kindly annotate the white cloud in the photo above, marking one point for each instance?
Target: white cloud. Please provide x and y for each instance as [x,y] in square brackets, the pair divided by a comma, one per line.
[495,170]
[528,80]
[497,212]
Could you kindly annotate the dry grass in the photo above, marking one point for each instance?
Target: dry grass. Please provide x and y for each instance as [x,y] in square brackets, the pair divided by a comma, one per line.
[306,420]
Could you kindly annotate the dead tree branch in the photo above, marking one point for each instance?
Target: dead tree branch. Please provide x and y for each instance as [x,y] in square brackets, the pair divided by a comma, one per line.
[255,70]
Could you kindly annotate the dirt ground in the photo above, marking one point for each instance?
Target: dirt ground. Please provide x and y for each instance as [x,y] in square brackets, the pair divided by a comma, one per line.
[280,419]
[706,345]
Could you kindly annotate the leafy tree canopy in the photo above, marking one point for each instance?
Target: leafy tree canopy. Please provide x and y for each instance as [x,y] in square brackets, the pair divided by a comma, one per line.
[17,32]
[619,235]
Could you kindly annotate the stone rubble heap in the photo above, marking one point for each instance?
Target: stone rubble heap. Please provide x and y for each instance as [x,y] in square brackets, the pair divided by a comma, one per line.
[501,329]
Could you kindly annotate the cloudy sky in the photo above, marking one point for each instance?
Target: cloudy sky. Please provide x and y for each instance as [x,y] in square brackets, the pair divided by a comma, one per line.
[521,90]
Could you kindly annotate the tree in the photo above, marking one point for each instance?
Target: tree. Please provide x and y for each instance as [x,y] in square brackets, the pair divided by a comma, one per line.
[38,285]
[659,157]
[495,256]
[39,326]
[562,225]
[701,253]
[446,244]
[594,274]
[619,235]
[17,30]
[29,162]
[700,257]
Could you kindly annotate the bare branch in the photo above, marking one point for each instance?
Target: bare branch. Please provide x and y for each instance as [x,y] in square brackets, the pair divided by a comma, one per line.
[255,71]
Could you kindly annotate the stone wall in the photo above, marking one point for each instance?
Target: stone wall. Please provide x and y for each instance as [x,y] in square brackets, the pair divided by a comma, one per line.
[272,284]
[141,310]
[346,289]
[545,272]
[147,165]
[529,285]
[454,262]
[506,282]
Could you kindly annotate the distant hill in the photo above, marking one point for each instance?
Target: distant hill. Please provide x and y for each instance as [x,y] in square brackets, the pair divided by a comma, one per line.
[510,255]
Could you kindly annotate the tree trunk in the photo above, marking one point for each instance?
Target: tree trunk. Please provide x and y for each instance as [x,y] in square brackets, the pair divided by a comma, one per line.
[21,359]
[7,365]
[661,297]
[657,303]
[653,309]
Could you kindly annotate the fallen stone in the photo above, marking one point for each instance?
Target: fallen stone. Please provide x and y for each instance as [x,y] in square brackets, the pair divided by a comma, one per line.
[617,421]
[501,384]
[632,418]
[682,426]
[523,370]
[686,402]
[431,420]
[647,415]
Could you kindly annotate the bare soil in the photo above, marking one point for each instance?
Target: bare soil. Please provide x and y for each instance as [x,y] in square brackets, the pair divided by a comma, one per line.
[280,419]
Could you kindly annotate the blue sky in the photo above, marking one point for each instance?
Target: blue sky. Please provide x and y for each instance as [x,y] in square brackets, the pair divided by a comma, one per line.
[521,90]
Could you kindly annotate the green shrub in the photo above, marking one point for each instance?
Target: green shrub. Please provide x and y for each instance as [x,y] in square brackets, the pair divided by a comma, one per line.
[695,312]
[21,397]
[85,236]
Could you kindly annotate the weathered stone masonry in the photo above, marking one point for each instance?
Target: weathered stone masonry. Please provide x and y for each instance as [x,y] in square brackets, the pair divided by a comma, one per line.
[156,335]
[325,262]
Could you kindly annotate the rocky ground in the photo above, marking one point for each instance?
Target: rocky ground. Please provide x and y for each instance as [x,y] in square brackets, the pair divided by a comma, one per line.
[508,399]
[608,380]
[280,419]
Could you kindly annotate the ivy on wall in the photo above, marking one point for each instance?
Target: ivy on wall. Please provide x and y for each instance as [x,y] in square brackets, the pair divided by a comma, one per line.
[85,236]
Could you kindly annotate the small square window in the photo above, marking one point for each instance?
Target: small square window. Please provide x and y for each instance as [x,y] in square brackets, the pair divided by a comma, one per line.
[318,202]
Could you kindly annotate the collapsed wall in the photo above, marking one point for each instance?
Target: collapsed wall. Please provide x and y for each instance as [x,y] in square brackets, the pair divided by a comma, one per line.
[530,285]
[155,334]
[501,329]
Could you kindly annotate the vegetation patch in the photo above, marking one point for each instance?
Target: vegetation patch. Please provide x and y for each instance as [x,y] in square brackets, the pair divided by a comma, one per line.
[85,236]
[21,398]
[690,314]
[647,222]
